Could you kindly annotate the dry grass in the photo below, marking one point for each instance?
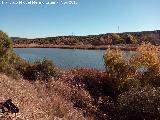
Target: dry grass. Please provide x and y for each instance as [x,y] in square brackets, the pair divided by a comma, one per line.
[35,102]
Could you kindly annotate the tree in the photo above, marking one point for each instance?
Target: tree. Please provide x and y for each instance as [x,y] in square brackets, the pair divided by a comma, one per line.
[6,44]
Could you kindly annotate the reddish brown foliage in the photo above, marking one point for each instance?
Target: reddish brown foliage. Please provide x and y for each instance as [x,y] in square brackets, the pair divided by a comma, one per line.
[95,83]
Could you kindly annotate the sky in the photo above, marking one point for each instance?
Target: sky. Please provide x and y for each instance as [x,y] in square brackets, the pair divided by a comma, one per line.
[83,17]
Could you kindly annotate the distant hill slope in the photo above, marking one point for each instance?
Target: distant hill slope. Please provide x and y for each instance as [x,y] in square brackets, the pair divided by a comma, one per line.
[102,39]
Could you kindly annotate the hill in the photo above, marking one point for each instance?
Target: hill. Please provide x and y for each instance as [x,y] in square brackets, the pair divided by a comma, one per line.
[95,40]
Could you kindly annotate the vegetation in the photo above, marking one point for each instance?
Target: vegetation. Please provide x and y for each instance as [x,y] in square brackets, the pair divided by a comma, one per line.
[9,61]
[13,65]
[136,83]
[142,103]
[95,40]
[128,89]
[40,70]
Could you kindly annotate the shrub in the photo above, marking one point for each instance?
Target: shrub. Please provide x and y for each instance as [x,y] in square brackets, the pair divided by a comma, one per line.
[5,44]
[120,72]
[6,54]
[92,80]
[116,39]
[129,39]
[5,49]
[41,69]
[10,63]
[141,69]
[99,88]
[139,104]
[147,59]
[18,63]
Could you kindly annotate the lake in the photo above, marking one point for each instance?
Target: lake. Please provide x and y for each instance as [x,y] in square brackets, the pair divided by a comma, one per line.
[67,58]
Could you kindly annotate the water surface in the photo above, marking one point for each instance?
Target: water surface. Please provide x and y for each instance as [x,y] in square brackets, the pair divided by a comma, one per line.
[67,58]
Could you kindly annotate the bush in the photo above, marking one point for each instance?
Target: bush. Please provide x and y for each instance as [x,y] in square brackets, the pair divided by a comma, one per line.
[147,60]
[99,88]
[129,39]
[6,54]
[141,69]
[5,44]
[13,65]
[116,39]
[41,69]
[139,104]
[92,80]
[120,72]
[5,49]
[10,63]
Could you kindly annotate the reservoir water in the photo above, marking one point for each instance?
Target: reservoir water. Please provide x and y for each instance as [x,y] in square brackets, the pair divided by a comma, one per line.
[67,58]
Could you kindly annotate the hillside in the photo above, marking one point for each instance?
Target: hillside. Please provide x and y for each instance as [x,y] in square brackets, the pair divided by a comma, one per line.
[91,40]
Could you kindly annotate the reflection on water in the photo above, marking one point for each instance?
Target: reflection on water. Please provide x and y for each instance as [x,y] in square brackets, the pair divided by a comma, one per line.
[67,58]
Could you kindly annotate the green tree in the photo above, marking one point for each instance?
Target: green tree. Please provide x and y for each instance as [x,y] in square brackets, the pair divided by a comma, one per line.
[6,44]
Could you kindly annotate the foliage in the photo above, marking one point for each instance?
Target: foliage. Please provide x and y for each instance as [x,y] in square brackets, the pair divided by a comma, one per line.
[5,44]
[147,59]
[15,66]
[141,69]
[116,39]
[139,104]
[95,83]
[102,39]
[130,39]
[128,89]
[120,72]
[41,69]
[10,63]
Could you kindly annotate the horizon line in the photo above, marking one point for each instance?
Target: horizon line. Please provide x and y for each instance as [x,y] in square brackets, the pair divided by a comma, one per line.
[84,35]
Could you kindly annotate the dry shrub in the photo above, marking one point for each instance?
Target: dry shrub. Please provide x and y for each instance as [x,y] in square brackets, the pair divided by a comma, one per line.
[130,78]
[78,97]
[140,69]
[139,104]
[130,39]
[92,92]
[93,81]
[40,70]
[35,101]
[148,60]
[119,71]
[56,104]
[116,39]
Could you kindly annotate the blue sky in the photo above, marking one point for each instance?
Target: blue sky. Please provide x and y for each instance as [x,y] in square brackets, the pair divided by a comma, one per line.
[86,18]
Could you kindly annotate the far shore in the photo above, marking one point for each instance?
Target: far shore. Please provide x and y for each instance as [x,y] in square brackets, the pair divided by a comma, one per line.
[129,47]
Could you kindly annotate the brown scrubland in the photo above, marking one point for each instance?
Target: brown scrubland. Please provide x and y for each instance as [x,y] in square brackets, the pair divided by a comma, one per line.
[123,41]
[126,90]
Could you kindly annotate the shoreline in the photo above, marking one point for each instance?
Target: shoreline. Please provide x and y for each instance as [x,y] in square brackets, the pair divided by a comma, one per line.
[128,47]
